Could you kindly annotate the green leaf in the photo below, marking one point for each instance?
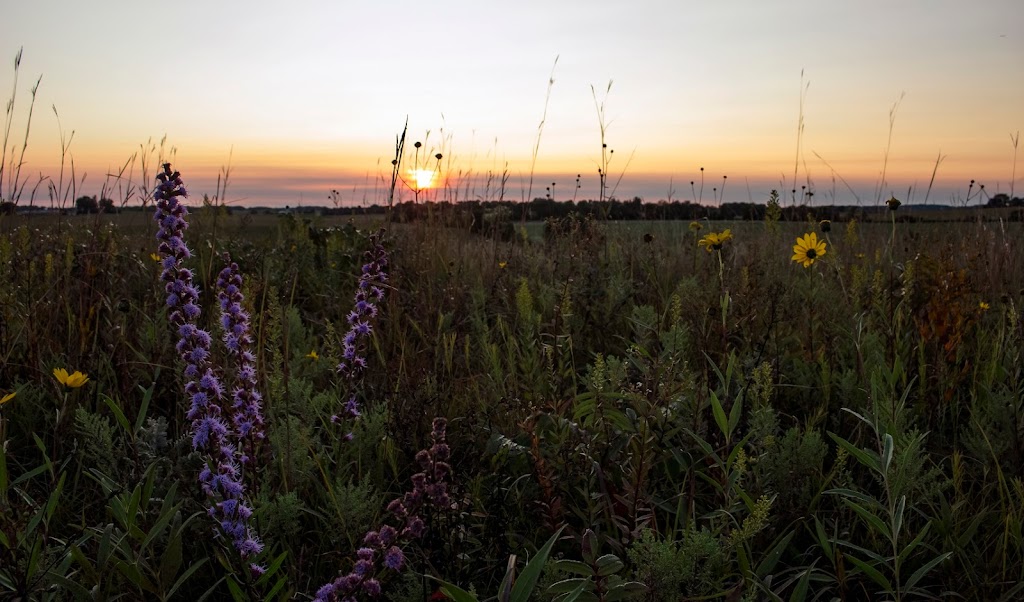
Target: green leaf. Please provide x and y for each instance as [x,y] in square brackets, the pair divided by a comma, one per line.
[170,561]
[568,585]
[119,415]
[871,572]
[887,449]
[188,573]
[609,564]
[623,591]
[236,590]
[800,591]
[823,539]
[876,523]
[574,594]
[921,572]
[528,579]
[864,457]
[897,517]
[767,564]
[272,569]
[147,395]
[719,412]
[735,413]
[456,593]
[910,547]
[574,566]
[590,546]
[3,470]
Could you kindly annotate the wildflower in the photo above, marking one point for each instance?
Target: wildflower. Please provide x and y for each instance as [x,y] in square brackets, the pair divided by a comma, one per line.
[73,381]
[429,487]
[713,241]
[313,355]
[246,408]
[368,295]
[154,257]
[7,397]
[502,265]
[807,249]
[893,203]
[825,225]
[221,477]
[695,226]
[981,305]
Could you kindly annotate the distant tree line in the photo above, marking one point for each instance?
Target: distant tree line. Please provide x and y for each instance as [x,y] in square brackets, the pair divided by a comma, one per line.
[90,204]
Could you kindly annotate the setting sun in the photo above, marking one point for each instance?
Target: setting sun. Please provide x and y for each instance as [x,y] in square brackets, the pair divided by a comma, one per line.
[422,178]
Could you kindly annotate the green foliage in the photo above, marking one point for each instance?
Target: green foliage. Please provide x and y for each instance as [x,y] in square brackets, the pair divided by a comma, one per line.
[692,566]
[689,411]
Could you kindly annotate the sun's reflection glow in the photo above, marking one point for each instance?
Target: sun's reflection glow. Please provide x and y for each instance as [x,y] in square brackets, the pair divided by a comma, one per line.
[423,178]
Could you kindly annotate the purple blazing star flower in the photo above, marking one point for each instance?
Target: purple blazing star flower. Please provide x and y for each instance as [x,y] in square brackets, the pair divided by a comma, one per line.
[212,435]
[386,543]
[246,411]
[372,273]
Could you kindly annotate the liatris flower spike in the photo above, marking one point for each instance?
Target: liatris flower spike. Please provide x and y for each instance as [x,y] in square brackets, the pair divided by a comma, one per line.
[246,409]
[430,487]
[221,478]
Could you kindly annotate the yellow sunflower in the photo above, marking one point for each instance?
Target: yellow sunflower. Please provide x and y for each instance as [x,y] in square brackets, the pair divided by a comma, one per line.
[713,241]
[73,381]
[807,249]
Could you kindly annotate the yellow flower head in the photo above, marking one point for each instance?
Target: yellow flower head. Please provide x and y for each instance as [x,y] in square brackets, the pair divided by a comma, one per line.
[713,241]
[73,380]
[695,226]
[154,256]
[7,397]
[502,265]
[807,249]
[313,355]
[983,306]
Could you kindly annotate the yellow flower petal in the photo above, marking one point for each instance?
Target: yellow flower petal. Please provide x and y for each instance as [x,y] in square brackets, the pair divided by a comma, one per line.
[7,397]
[74,380]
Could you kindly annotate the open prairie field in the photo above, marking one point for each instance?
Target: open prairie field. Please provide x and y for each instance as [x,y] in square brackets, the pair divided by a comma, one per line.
[280,407]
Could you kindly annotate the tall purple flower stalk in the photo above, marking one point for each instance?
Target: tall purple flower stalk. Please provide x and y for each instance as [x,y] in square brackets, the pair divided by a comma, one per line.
[246,410]
[212,435]
[369,294]
[382,549]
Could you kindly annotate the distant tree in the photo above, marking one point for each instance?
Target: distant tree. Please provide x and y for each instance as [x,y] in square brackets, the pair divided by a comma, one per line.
[86,204]
[999,200]
[107,206]
[7,208]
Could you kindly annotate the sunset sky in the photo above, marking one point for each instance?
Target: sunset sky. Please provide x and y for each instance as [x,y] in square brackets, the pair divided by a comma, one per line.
[307,97]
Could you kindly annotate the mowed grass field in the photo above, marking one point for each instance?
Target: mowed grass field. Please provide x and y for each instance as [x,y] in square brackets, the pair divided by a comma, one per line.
[629,414]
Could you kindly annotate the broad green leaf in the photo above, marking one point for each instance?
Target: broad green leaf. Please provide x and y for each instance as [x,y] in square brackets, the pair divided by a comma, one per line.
[528,579]
[609,564]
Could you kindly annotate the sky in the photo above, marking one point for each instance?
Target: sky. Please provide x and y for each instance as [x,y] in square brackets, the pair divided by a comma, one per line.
[294,100]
